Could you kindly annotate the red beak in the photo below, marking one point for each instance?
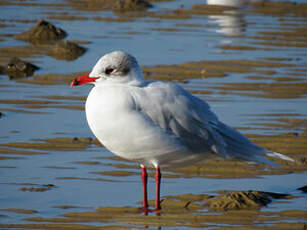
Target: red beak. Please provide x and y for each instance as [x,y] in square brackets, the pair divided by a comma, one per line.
[83,80]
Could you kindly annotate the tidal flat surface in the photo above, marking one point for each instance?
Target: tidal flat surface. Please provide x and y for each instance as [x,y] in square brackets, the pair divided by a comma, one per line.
[247,59]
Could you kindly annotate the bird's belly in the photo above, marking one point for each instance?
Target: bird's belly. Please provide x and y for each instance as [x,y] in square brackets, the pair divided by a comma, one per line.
[146,144]
[134,138]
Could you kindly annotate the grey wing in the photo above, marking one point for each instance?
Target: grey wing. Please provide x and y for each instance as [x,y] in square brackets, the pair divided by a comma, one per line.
[183,115]
[189,118]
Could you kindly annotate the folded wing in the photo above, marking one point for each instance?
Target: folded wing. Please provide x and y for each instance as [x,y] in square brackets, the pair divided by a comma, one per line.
[181,114]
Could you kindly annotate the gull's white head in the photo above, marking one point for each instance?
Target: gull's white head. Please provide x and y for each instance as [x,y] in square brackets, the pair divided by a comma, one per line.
[117,67]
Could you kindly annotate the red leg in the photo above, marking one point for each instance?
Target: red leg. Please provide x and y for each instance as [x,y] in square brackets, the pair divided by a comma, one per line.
[144,179]
[158,182]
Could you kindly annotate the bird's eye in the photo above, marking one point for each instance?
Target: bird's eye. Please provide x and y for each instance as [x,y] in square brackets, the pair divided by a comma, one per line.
[109,71]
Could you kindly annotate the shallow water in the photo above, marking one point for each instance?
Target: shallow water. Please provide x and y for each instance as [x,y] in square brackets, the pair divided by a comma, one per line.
[75,171]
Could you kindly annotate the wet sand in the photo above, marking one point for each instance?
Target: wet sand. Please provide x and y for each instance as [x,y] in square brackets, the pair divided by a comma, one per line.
[252,72]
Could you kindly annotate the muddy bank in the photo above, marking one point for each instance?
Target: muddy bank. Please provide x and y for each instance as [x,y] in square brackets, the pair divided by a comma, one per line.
[64,50]
[278,8]
[51,79]
[189,70]
[36,106]
[183,210]
[16,210]
[55,144]
[266,8]
[294,37]
[117,5]
[205,69]
[137,8]
[266,90]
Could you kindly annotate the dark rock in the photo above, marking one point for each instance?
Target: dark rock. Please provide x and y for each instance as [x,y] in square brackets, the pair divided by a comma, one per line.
[131,5]
[303,189]
[38,188]
[17,68]
[66,50]
[42,32]
[2,70]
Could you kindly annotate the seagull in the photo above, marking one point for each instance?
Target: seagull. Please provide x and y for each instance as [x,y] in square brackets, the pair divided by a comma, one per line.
[157,124]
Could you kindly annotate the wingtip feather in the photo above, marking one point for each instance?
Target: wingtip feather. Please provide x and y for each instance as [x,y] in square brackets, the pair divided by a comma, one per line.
[279,155]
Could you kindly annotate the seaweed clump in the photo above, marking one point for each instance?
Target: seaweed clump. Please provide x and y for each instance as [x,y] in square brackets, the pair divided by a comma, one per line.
[240,200]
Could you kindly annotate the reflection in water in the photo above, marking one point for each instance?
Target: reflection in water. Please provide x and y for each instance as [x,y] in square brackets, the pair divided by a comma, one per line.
[233,3]
[232,24]
[146,211]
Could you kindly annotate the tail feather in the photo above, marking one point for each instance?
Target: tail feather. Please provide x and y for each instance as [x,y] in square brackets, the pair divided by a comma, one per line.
[238,146]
